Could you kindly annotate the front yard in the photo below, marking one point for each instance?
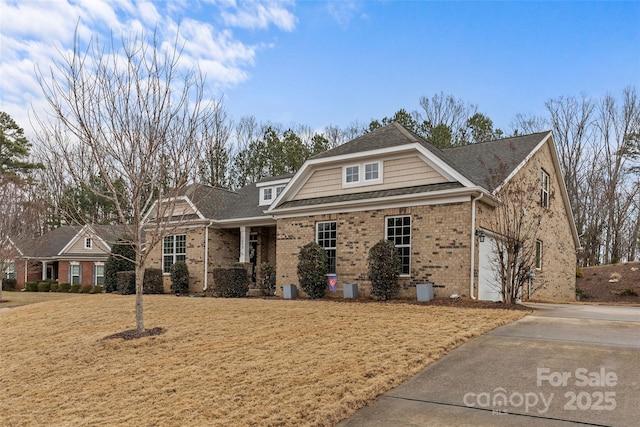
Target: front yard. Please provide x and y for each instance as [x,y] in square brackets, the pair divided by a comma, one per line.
[220,362]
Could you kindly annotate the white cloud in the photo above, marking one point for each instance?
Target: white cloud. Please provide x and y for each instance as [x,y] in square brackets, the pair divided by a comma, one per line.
[257,15]
[34,33]
[343,12]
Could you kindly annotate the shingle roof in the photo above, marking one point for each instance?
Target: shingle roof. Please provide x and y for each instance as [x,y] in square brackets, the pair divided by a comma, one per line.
[371,195]
[488,164]
[51,243]
[210,201]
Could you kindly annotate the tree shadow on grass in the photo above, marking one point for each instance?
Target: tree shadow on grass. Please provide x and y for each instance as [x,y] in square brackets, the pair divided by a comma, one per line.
[132,334]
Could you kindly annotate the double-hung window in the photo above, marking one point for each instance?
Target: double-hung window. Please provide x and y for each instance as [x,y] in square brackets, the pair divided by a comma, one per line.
[544,189]
[352,174]
[9,270]
[75,274]
[326,237]
[174,249]
[98,274]
[88,243]
[399,232]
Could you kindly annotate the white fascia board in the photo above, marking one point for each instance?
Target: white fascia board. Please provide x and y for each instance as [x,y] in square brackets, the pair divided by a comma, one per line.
[173,199]
[420,199]
[74,239]
[20,253]
[257,221]
[301,177]
[522,163]
[273,183]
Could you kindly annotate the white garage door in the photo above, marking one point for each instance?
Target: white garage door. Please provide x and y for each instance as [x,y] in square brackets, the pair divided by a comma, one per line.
[488,282]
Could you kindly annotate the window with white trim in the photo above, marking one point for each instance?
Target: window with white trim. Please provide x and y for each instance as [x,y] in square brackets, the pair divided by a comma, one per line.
[352,174]
[279,190]
[174,249]
[538,255]
[88,243]
[98,274]
[9,270]
[75,273]
[267,194]
[398,231]
[326,236]
[544,189]
[362,174]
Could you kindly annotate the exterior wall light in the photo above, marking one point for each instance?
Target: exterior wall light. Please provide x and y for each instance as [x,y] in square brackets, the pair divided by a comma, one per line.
[480,235]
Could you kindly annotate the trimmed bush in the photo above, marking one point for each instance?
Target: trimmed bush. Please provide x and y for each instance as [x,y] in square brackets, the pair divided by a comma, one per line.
[384,269]
[312,270]
[97,289]
[54,287]
[44,286]
[9,284]
[180,278]
[268,273]
[230,282]
[152,283]
[85,289]
[64,287]
[74,289]
[31,286]
[119,260]
[126,282]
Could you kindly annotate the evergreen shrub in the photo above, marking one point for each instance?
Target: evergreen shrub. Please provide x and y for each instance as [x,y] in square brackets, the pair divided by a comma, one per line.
[384,269]
[232,282]
[312,270]
[180,278]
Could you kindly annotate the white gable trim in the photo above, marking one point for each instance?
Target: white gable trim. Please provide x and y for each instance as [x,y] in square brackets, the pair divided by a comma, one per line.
[522,164]
[173,200]
[305,172]
[85,231]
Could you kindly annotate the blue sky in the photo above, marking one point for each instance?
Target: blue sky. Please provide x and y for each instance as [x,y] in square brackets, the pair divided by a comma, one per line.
[319,63]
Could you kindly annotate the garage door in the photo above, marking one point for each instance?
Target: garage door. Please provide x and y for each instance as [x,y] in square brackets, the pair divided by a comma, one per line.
[489,288]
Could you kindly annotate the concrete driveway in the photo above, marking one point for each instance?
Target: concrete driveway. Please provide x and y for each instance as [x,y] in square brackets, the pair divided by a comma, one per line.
[562,365]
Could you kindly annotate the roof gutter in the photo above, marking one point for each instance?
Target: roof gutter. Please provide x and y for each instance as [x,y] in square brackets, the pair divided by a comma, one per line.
[473,245]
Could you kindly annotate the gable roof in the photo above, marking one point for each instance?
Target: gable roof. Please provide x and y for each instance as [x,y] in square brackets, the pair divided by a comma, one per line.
[489,164]
[53,243]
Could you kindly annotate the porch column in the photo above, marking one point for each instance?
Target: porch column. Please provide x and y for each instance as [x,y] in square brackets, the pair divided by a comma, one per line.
[44,270]
[244,244]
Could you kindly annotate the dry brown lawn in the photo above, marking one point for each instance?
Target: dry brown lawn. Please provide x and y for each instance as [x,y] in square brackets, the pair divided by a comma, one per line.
[17,299]
[221,362]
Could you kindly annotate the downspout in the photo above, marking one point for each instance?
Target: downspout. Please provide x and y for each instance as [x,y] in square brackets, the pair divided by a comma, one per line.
[473,245]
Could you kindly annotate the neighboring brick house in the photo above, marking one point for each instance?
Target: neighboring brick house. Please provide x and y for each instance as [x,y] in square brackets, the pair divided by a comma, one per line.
[386,184]
[68,254]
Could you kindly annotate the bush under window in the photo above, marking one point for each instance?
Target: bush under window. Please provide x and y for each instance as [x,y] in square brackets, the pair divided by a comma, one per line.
[312,270]
[384,269]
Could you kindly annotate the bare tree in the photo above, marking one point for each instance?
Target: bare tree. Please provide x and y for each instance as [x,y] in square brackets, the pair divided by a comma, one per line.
[126,111]
[442,113]
[215,163]
[516,223]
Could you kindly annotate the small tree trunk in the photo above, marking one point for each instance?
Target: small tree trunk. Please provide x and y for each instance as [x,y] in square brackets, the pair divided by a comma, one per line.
[139,307]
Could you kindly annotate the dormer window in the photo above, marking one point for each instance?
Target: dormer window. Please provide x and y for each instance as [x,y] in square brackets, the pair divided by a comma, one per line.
[88,243]
[269,191]
[362,174]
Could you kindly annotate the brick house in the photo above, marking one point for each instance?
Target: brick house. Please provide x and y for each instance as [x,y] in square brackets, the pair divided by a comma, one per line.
[436,205]
[68,254]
